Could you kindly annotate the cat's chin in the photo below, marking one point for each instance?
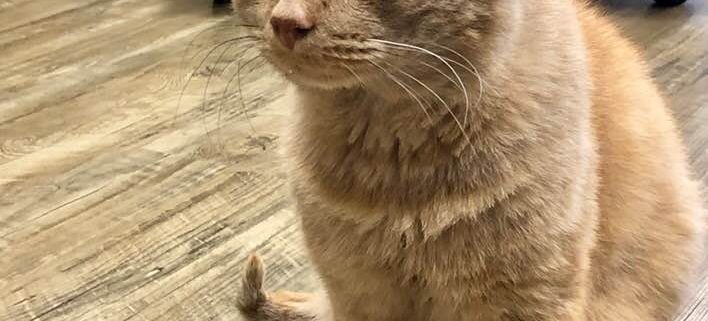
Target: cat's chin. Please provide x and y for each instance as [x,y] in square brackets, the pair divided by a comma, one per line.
[322,83]
[382,91]
[322,76]
[373,86]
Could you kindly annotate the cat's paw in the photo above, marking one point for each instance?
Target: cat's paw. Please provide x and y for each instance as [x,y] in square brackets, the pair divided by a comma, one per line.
[291,299]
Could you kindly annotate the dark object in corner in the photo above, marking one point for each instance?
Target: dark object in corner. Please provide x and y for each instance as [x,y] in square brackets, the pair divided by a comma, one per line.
[220,3]
[668,3]
[221,7]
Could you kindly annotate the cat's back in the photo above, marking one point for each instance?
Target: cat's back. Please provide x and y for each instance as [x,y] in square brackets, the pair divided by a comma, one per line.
[651,225]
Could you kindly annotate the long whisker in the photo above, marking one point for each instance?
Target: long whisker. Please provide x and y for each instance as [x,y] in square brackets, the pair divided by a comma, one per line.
[454,83]
[191,42]
[250,36]
[354,73]
[201,63]
[437,56]
[421,83]
[228,86]
[240,93]
[206,91]
[442,101]
[405,88]
[211,74]
[245,25]
[474,71]
[216,27]
[223,102]
[442,73]
[480,80]
[436,69]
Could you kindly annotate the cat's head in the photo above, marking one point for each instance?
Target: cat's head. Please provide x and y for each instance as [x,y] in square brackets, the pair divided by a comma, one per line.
[341,43]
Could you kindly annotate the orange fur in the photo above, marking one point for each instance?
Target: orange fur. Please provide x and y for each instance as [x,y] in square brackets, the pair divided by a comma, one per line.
[564,195]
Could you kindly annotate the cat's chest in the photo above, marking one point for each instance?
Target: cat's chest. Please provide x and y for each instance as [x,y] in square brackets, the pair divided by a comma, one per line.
[405,246]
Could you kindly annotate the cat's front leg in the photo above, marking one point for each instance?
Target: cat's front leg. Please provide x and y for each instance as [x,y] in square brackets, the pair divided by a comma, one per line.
[556,311]
[362,294]
[512,302]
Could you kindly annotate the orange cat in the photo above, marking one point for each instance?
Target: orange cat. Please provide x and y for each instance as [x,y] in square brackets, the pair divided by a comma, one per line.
[477,160]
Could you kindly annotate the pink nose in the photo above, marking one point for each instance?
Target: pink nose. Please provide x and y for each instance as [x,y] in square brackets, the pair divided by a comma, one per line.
[290,22]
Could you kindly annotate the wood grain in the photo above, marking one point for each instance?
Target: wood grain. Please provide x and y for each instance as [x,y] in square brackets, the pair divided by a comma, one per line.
[131,190]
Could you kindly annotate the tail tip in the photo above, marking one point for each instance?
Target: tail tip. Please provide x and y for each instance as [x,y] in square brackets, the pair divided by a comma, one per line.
[252,296]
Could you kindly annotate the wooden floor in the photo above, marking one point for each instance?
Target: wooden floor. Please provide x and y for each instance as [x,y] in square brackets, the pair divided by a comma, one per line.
[121,199]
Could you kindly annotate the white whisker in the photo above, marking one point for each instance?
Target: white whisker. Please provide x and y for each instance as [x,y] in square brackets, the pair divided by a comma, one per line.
[449,110]
[198,68]
[405,88]
[228,86]
[426,51]
[351,70]
[240,92]
[205,102]
[473,71]
[442,73]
